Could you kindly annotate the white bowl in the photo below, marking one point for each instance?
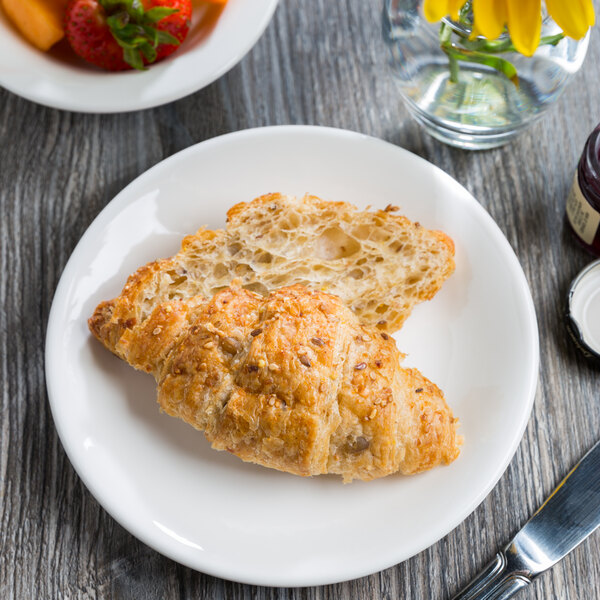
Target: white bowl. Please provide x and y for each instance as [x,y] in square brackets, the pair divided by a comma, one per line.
[218,40]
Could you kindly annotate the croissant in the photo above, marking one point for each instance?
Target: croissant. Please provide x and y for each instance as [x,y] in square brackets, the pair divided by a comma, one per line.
[291,381]
[379,263]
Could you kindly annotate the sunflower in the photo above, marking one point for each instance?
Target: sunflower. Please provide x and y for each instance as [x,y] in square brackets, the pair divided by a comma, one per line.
[523,18]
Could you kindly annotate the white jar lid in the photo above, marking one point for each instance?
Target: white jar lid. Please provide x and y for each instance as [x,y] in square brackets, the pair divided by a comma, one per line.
[583,311]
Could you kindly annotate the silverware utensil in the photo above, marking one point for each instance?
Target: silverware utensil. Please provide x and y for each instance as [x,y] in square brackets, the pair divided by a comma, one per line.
[569,515]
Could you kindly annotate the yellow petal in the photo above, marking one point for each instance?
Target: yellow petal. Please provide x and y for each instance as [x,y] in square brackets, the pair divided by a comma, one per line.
[573,17]
[454,6]
[475,33]
[490,17]
[435,9]
[525,24]
[588,9]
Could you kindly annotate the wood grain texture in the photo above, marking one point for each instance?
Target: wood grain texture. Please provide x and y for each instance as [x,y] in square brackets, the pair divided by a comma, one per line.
[319,62]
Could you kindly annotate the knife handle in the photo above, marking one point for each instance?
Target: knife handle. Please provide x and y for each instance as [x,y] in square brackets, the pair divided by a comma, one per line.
[498,581]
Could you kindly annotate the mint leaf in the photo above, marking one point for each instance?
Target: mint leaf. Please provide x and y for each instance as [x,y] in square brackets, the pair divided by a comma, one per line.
[133,58]
[154,15]
[118,21]
[149,52]
[166,38]
[134,29]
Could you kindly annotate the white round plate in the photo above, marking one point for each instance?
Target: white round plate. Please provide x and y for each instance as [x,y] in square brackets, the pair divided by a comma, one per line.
[158,477]
[217,41]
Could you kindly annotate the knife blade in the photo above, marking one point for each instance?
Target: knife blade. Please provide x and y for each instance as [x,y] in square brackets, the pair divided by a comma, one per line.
[569,515]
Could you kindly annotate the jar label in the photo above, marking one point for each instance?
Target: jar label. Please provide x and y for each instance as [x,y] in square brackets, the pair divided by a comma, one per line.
[583,218]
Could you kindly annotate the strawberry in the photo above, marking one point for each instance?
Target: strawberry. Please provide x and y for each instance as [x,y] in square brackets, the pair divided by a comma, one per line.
[124,34]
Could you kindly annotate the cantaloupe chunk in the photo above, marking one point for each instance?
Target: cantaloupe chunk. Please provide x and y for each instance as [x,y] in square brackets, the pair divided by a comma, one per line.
[39,21]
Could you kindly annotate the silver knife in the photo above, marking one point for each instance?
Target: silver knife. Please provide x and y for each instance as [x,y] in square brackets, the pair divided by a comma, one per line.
[569,515]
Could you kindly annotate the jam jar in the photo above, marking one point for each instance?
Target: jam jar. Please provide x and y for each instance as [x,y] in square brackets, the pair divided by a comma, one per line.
[583,203]
[583,312]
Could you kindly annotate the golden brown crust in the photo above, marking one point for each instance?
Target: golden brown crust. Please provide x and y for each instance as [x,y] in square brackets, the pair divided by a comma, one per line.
[293,382]
[113,318]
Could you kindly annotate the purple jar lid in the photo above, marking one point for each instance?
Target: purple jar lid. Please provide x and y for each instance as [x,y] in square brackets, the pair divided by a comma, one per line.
[583,311]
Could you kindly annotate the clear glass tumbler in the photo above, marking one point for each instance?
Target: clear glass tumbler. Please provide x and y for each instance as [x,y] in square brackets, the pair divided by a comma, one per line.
[468,104]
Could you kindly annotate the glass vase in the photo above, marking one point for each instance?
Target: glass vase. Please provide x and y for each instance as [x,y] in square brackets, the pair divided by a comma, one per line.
[469,104]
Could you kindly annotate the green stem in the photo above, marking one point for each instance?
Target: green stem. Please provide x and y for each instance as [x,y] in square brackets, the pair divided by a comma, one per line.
[495,62]
[482,51]
[446,43]
[496,46]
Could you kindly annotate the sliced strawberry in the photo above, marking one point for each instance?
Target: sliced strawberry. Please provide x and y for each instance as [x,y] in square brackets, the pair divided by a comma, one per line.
[119,35]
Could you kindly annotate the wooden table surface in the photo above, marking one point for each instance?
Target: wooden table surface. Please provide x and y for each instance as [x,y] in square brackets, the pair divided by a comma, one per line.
[319,62]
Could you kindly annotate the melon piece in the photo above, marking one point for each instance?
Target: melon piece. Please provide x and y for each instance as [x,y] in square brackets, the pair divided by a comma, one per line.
[39,21]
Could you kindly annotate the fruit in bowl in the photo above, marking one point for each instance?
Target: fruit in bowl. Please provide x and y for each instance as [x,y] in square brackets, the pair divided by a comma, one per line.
[117,35]
[112,34]
[39,21]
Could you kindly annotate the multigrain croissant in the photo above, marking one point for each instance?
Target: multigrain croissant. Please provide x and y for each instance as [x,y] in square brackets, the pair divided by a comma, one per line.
[379,263]
[291,381]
